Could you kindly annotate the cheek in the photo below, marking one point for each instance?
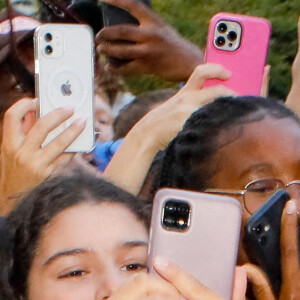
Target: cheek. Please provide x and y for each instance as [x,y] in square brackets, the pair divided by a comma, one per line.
[62,289]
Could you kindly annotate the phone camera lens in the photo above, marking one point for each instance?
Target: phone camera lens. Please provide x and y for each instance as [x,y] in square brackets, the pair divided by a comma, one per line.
[48,50]
[48,37]
[263,240]
[222,27]
[232,36]
[171,206]
[183,209]
[169,221]
[259,229]
[220,41]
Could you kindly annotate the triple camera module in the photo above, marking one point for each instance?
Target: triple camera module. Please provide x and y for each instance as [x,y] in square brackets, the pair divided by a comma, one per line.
[176,215]
[227,35]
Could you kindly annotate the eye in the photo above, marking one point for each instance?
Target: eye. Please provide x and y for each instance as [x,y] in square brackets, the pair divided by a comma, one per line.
[134,267]
[265,186]
[73,273]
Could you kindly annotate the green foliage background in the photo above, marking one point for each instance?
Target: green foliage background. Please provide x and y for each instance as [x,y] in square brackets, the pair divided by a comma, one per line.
[191,19]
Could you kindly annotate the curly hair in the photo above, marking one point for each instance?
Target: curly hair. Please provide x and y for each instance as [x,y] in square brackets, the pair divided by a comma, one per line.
[26,223]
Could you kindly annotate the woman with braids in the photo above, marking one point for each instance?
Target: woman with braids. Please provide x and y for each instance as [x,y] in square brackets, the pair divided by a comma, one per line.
[79,237]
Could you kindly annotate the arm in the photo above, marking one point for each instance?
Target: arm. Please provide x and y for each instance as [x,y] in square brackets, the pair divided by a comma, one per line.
[129,166]
[293,98]
[23,162]
[153,47]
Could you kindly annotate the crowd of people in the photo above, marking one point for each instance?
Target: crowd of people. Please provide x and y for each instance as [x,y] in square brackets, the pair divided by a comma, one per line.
[76,225]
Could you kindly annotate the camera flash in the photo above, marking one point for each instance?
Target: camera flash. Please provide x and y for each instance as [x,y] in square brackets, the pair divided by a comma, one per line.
[181,222]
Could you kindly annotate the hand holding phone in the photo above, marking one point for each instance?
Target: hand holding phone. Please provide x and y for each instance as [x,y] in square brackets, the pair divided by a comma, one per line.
[240,44]
[64,73]
[200,233]
[265,236]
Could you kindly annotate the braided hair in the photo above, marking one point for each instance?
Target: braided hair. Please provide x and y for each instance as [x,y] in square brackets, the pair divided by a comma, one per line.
[187,159]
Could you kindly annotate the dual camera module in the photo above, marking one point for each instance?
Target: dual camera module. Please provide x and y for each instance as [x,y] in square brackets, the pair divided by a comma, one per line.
[48,38]
[227,35]
[176,215]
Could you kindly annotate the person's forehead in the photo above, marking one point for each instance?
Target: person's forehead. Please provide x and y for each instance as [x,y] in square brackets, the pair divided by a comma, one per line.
[271,141]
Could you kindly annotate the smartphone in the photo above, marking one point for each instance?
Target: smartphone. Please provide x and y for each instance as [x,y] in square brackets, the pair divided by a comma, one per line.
[240,44]
[64,75]
[113,15]
[200,233]
[262,237]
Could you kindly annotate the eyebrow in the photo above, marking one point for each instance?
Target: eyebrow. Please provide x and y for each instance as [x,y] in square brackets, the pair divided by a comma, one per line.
[71,252]
[135,243]
[78,251]
[256,168]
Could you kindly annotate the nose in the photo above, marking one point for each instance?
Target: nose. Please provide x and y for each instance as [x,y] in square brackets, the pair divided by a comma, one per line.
[110,280]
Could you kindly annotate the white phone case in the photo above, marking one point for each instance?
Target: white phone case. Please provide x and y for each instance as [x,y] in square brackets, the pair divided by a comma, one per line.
[66,77]
[208,247]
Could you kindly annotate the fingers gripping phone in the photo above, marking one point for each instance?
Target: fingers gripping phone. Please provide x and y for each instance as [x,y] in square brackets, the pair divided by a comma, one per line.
[240,44]
[113,15]
[64,73]
[262,237]
[200,233]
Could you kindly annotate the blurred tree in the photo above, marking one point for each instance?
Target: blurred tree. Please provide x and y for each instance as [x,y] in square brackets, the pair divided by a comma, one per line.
[191,19]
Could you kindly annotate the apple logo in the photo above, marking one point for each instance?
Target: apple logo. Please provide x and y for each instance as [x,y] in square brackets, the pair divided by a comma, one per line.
[66,89]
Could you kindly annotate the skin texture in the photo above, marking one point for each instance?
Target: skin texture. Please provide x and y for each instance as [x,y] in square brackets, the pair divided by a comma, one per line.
[80,255]
[152,40]
[248,158]
[21,151]
[103,119]
[170,116]
[102,261]
[292,99]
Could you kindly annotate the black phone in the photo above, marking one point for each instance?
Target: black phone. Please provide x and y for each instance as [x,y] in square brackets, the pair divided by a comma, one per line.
[262,237]
[113,15]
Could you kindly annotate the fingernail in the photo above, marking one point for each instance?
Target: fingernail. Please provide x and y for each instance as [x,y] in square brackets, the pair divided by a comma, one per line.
[161,262]
[80,121]
[69,108]
[291,207]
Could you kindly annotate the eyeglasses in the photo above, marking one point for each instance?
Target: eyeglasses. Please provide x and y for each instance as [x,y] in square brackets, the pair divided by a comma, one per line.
[257,192]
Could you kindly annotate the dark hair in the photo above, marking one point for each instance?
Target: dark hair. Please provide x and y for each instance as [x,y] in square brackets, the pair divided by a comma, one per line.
[186,162]
[135,110]
[25,224]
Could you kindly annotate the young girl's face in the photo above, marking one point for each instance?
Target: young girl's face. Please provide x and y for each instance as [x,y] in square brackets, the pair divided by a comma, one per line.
[86,252]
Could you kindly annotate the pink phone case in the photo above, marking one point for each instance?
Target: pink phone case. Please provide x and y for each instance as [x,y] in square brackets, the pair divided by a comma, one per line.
[247,62]
[208,248]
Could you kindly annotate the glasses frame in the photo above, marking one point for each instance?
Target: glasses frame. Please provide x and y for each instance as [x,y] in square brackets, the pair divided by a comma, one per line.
[243,192]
